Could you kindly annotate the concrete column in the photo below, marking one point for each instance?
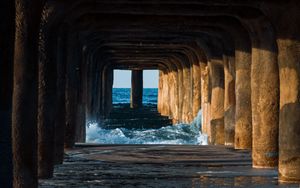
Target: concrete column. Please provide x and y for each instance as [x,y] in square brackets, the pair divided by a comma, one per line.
[243,113]
[169,93]
[80,122]
[205,99]
[100,99]
[81,117]
[165,95]
[94,81]
[289,72]
[46,100]
[176,97]
[159,95]
[136,94]
[173,96]
[180,94]
[71,91]
[289,131]
[186,110]
[264,95]
[60,113]
[196,88]
[217,101]
[107,90]
[24,114]
[191,96]
[229,102]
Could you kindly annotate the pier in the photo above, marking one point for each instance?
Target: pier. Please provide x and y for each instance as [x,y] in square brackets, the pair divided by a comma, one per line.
[236,60]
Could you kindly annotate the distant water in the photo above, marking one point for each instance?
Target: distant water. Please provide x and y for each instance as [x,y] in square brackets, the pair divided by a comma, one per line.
[178,134]
[122,95]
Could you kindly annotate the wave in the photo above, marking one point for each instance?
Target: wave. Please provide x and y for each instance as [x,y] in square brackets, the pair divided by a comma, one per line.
[181,134]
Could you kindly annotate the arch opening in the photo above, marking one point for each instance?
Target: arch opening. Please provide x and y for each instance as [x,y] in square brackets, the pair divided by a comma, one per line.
[129,123]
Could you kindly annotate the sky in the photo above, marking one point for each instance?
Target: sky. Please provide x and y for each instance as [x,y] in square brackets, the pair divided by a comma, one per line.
[122,78]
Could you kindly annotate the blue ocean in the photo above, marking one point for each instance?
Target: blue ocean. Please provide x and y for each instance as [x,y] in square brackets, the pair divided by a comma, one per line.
[181,134]
[122,95]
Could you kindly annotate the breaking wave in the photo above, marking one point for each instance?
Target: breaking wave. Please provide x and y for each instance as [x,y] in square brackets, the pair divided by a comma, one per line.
[181,134]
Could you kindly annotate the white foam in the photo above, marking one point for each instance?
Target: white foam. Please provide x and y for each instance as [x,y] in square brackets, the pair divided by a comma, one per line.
[178,134]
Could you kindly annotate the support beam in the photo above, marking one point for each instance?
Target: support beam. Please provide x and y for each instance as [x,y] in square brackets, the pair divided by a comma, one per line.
[60,120]
[243,113]
[136,94]
[165,95]
[160,89]
[72,80]
[24,113]
[173,96]
[196,89]
[186,89]
[217,102]
[264,95]
[229,102]
[289,129]
[205,99]
[289,72]
[47,96]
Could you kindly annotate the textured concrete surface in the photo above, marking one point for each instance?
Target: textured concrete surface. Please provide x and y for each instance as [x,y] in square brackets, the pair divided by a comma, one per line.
[159,166]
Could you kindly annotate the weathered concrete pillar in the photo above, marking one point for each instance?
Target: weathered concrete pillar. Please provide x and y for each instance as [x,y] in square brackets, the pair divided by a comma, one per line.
[60,113]
[71,91]
[82,95]
[136,94]
[159,94]
[205,99]
[82,109]
[171,93]
[107,90]
[289,131]
[243,111]
[94,88]
[99,93]
[165,94]
[180,93]
[289,72]
[90,116]
[24,115]
[217,101]
[196,88]
[6,82]
[229,102]
[243,126]
[80,133]
[264,95]
[186,110]
[46,100]
[176,97]
[191,96]
[173,96]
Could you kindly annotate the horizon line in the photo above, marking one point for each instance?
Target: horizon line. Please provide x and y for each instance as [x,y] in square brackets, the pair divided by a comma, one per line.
[130,88]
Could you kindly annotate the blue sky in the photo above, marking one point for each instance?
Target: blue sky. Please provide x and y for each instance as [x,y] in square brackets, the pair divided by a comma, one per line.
[122,79]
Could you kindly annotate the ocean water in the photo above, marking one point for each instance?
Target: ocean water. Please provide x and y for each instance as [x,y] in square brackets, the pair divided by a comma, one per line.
[122,95]
[181,134]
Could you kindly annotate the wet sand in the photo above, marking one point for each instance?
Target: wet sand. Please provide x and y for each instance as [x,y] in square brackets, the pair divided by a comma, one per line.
[164,166]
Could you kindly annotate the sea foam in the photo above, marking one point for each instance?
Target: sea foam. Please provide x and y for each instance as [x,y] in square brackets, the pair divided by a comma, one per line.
[181,134]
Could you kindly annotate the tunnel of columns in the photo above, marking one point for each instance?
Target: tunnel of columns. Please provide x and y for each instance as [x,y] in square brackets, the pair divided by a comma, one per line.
[237,61]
